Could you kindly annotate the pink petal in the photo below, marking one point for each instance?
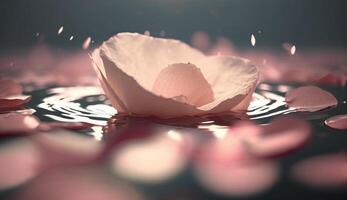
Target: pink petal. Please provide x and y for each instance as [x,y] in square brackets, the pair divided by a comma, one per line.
[184,83]
[156,159]
[337,122]
[121,84]
[19,162]
[238,180]
[228,145]
[310,98]
[9,88]
[76,183]
[13,102]
[283,135]
[224,166]
[14,123]
[66,148]
[322,171]
[128,72]
[86,43]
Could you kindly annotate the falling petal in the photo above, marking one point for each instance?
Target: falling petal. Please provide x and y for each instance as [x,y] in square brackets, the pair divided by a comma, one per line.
[60,30]
[86,43]
[310,98]
[337,122]
[71,37]
[292,50]
[253,40]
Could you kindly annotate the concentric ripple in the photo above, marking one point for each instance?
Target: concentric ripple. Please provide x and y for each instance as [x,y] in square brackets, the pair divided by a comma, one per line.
[89,105]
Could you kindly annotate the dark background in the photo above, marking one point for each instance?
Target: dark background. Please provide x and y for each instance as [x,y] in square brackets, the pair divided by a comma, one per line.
[309,23]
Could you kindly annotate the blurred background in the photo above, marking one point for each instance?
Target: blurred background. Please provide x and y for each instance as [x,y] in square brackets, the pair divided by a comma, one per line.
[308,24]
[44,46]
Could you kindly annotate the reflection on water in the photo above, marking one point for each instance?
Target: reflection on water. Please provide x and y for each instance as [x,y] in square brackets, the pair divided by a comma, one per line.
[77,104]
[221,154]
[89,105]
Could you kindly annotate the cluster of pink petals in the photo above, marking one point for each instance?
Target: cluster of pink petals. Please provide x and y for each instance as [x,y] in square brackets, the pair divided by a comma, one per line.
[322,66]
[236,162]
[15,119]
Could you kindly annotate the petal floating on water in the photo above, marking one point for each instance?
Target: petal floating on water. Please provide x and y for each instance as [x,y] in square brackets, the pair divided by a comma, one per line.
[19,161]
[129,75]
[15,123]
[337,122]
[310,98]
[224,165]
[13,102]
[62,147]
[281,136]
[153,159]
[322,171]
[73,183]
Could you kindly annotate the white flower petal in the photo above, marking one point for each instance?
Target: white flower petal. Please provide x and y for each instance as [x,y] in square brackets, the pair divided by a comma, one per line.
[184,83]
[129,65]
